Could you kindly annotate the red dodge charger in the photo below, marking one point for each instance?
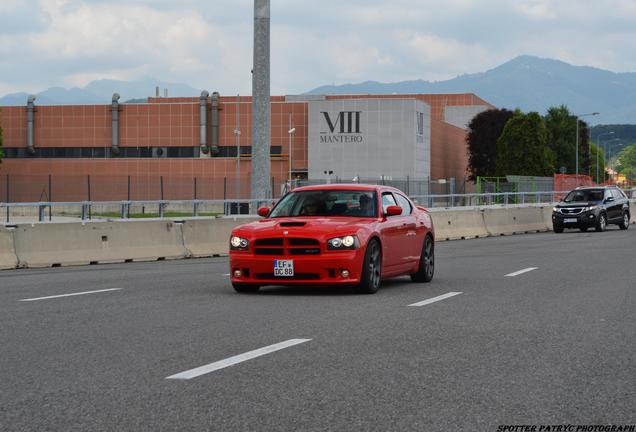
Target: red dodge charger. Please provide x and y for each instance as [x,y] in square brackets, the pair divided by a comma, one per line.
[349,235]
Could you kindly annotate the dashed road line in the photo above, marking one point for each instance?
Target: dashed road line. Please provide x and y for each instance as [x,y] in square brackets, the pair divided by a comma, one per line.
[436,299]
[69,295]
[202,370]
[520,272]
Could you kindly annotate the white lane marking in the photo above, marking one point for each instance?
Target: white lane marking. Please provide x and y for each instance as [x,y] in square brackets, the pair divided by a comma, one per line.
[226,274]
[435,299]
[202,370]
[70,295]
[517,273]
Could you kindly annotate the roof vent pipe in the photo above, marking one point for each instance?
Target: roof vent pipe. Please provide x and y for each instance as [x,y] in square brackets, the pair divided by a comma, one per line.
[215,122]
[203,122]
[115,125]
[30,119]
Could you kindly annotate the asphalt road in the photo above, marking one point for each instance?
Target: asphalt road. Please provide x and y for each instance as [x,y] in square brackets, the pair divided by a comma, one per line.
[552,345]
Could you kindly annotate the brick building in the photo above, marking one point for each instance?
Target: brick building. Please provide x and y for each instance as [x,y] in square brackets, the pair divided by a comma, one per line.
[179,148]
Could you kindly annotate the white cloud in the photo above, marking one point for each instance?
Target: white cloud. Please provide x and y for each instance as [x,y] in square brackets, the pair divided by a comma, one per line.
[209,44]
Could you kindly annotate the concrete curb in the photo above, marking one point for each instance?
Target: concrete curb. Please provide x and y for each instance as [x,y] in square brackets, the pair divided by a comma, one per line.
[8,258]
[203,238]
[44,245]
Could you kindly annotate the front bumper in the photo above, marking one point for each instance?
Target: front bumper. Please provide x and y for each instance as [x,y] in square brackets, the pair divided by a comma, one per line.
[583,220]
[324,269]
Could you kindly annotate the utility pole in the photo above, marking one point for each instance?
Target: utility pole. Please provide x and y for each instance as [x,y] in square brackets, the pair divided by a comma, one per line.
[261,112]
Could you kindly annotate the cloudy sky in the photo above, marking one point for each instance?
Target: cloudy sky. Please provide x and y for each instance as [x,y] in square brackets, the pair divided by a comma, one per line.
[208,43]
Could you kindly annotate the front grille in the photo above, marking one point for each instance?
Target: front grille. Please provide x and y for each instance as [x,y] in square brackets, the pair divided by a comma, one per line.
[302,242]
[286,246]
[297,276]
[304,251]
[269,251]
[571,211]
[269,242]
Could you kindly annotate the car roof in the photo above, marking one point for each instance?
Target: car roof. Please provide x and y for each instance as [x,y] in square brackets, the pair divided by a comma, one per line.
[346,186]
[596,187]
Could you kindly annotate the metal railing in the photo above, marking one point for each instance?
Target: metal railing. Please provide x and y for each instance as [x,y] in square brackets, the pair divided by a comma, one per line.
[105,210]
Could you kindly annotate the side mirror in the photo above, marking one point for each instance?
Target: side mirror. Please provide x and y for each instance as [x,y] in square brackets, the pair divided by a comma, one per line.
[609,199]
[263,212]
[393,210]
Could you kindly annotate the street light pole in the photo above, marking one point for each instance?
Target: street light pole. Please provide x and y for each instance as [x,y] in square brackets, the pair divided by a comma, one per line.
[291,132]
[598,149]
[577,139]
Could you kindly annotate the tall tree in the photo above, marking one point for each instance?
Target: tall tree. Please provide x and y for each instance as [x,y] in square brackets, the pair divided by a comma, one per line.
[483,132]
[522,148]
[627,162]
[561,125]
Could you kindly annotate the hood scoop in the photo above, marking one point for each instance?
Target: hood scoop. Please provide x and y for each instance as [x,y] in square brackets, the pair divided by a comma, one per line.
[293,224]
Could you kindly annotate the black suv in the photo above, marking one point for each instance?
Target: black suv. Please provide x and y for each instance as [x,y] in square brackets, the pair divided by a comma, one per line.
[593,206]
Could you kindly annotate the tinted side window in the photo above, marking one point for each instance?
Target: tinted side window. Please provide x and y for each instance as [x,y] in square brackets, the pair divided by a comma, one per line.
[405,204]
[608,193]
[387,200]
[617,194]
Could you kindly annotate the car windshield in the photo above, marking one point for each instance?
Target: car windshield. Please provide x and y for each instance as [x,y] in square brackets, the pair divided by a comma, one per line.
[348,203]
[584,195]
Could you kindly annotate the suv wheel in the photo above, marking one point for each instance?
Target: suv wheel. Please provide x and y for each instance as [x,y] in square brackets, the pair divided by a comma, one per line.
[625,222]
[602,223]
[557,229]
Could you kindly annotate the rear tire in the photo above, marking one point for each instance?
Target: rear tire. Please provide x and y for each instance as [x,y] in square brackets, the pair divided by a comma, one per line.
[625,222]
[602,223]
[426,267]
[371,274]
[557,229]
[245,288]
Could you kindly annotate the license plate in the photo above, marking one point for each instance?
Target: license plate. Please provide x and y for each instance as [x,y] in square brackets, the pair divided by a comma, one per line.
[284,268]
[570,220]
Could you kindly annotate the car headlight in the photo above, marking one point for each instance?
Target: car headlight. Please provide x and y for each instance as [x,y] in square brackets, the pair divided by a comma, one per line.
[238,243]
[555,209]
[590,208]
[343,243]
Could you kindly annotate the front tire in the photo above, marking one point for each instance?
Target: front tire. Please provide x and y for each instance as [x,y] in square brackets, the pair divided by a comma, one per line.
[371,274]
[625,222]
[602,223]
[426,267]
[583,229]
[557,229]
[245,288]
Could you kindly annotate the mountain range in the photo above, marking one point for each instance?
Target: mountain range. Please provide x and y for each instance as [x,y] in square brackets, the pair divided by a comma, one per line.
[525,82]
[101,92]
[530,84]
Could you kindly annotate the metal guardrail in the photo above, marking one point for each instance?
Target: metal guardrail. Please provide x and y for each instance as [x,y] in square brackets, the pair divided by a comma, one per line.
[87,210]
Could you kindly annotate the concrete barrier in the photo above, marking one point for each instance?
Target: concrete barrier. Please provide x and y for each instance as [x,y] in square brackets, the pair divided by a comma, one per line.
[515,220]
[8,259]
[43,245]
[209,237]
[455,224]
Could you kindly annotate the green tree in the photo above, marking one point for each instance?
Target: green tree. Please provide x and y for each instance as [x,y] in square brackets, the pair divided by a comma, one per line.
[522,148]
[561,126]
[627,162]
[483,132]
